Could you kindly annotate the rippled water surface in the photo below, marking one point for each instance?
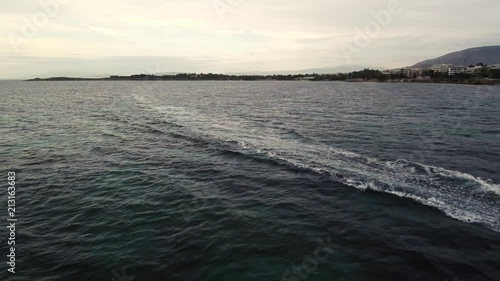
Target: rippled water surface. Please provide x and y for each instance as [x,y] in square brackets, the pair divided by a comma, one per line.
[252,180]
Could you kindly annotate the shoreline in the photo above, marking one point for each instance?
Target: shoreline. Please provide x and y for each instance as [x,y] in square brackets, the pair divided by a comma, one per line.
[489,82]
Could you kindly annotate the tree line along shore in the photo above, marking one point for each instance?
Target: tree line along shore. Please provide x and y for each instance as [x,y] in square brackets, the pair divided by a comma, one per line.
[366,75]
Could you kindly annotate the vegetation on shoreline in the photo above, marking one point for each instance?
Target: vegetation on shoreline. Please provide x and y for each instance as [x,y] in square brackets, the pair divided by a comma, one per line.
[489,77]
[207,77]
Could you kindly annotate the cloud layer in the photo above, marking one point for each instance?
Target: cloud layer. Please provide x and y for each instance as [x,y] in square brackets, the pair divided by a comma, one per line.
[89,38]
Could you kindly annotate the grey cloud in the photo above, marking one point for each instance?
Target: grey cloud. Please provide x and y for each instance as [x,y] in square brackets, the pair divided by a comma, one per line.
[255,35]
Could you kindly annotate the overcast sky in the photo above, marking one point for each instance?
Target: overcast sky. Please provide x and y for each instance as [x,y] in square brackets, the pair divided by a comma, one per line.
[41,38]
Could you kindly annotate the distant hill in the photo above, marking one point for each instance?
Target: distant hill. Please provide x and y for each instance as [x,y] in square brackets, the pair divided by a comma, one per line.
[486,55]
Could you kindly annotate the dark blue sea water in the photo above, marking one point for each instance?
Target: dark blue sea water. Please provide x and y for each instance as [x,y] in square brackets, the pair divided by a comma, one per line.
[252,181]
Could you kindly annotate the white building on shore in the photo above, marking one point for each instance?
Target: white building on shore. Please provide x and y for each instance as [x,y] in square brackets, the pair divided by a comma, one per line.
[443,68]
[453,70]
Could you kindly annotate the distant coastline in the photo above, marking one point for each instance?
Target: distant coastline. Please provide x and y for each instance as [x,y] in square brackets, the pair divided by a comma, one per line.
[366,75]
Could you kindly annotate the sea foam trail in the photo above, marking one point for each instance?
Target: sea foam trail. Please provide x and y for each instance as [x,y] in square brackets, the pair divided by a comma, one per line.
[460,195]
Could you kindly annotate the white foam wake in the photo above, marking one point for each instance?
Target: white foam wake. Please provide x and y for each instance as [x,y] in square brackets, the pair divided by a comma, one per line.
[460,195]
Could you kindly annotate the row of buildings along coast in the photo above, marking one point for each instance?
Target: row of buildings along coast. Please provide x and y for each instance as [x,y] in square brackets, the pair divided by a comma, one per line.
[443,69]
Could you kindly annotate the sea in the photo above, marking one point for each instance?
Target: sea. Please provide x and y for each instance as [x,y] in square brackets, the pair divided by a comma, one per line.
[263,180]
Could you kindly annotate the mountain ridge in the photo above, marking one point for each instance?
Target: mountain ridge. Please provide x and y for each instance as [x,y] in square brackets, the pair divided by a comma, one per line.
[485,54]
